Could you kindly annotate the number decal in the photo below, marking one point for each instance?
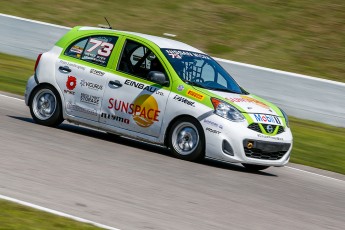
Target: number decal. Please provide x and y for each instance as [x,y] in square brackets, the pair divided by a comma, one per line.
[104,51]
[96,42]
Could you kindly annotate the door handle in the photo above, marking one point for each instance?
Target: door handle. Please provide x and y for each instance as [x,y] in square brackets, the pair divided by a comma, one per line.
[115,83]
[65,69]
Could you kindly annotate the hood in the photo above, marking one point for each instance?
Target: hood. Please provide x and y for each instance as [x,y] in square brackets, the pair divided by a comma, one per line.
[249,103]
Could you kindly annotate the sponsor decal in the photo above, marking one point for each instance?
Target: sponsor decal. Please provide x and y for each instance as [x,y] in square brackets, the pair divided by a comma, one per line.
[144,109]
[115,118]
[180,88]
[73,107]
[247,99]
[142,86]
[270,137]
[213,131]
[214,124]
[184,100]
[71,83]
[195,95]
[91,85]
[93,100]
[76,49]
[264,118]
[72,65]
[178,54]
[97,72]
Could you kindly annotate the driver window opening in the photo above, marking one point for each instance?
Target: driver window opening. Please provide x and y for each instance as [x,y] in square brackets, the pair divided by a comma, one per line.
[138,60]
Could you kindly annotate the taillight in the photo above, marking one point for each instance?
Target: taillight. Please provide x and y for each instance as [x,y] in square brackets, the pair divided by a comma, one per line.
[37,61]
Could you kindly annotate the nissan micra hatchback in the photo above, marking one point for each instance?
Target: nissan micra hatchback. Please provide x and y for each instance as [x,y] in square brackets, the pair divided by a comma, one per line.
[156,90]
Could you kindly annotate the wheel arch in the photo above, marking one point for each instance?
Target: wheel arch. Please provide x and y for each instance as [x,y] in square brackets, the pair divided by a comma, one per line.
[167,130]
[41,85]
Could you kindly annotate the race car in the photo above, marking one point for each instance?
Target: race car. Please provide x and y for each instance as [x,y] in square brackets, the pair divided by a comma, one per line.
[156,90]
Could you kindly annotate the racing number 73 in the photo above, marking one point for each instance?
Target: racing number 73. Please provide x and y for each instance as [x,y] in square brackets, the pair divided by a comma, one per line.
[104,51]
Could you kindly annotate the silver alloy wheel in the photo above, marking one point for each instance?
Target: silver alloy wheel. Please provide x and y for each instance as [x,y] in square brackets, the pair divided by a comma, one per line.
[185,138]
[44,104]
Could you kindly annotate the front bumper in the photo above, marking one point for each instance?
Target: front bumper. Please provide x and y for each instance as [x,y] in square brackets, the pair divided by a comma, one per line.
[234,142]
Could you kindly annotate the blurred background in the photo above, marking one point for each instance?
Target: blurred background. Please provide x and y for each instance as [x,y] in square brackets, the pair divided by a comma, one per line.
[307,37]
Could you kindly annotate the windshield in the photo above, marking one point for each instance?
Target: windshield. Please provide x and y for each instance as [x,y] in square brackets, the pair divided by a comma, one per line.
[201,70]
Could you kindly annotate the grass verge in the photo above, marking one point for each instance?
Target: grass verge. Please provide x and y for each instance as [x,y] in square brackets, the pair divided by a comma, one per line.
[305,37]
[315,144]
[14,216]
[14,73]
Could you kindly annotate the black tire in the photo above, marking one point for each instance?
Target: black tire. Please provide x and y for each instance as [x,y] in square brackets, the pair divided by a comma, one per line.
[255,168]
[186,139]
[45,106]
[113,135]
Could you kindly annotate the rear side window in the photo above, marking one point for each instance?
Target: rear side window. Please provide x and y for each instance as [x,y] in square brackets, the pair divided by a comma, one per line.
[94,49]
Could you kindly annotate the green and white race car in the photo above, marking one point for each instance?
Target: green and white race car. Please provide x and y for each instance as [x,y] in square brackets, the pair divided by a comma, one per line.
[157,90]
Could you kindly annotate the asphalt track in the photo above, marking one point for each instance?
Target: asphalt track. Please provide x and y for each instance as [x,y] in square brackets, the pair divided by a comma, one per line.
[131,185]
[299,95]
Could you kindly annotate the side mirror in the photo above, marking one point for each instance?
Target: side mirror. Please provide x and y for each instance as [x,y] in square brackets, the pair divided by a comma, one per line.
[158,77]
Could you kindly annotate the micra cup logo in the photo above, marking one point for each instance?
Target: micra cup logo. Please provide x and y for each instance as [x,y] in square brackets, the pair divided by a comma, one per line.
[71,83]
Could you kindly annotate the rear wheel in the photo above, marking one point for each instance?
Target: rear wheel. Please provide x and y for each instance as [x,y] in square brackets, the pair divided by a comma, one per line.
[45,106]
[186,139]
[251,167]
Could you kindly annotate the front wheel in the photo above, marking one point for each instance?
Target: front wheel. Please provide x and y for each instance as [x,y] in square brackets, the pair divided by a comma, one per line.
[251,167]
[45,106]
[186,139]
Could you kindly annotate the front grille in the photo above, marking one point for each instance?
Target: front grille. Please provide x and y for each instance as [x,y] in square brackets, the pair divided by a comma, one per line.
[256,127]
[265,150]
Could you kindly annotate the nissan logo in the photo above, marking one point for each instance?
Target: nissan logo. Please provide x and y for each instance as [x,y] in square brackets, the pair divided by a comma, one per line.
[269,128]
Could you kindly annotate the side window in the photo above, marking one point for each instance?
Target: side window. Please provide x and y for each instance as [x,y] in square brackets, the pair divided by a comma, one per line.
[138,60]
[76,49]
[94,49]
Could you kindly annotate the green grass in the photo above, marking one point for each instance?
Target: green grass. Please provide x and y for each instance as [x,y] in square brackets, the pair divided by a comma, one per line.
[315,144]
[318,145]
[14,73]
[14,216]
[306,37]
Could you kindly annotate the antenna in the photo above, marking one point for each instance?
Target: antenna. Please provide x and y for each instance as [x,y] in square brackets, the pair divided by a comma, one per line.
[108,23]
[105,26]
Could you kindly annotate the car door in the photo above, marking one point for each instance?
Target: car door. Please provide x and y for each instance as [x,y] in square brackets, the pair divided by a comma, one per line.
[131,101]
[81,75]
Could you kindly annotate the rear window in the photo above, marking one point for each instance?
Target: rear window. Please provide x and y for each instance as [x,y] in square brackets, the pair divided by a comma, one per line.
[94,49]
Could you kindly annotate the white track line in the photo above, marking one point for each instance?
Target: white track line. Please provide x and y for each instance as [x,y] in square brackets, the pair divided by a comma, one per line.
[34,21]
[18,99]
[332,178]
[289,74]
[218,59]
[56,212]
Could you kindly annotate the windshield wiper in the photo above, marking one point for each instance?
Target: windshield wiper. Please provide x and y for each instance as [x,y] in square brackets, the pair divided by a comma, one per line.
[193,83]
[226,90]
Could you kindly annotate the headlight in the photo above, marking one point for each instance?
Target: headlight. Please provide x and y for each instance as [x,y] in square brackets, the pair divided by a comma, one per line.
[285,117]
[226,110]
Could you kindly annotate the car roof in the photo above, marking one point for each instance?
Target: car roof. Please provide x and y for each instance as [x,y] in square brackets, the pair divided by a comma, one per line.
[164,43]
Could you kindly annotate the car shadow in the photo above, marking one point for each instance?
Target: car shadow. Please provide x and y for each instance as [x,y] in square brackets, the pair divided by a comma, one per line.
[85,131]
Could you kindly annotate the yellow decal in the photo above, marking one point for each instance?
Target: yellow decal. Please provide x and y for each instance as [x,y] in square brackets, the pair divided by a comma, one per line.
[196,95]
[148,112]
